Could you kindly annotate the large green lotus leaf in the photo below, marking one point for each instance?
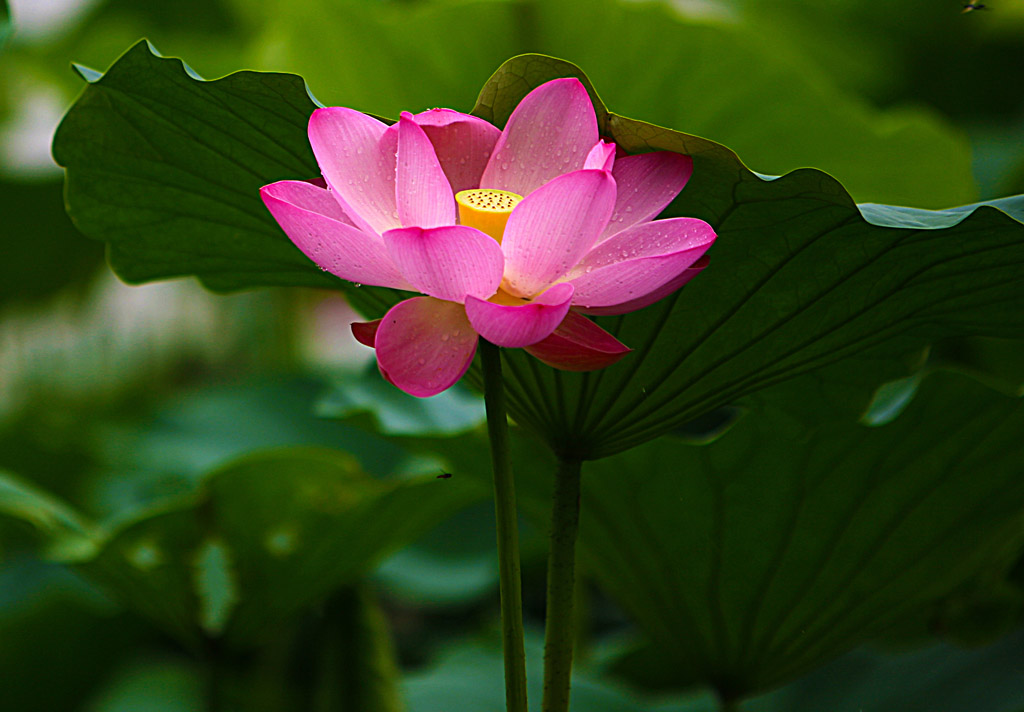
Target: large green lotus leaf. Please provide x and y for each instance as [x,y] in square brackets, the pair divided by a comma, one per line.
[266,536]
[167,171]
[752,90]
[755,558]
[940,677]
[800,278]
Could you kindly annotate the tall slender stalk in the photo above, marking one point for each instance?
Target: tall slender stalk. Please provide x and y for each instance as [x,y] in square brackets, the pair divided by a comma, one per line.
[558,634]
[510,579]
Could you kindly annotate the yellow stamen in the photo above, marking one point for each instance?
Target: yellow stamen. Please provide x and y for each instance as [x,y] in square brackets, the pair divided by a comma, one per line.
[507,299]
[486,209]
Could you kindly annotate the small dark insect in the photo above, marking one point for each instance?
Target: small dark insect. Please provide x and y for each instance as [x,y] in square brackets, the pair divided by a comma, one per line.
[444,475]
[971,6]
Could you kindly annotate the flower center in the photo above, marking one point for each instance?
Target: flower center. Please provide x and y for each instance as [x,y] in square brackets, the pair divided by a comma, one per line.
[486,209]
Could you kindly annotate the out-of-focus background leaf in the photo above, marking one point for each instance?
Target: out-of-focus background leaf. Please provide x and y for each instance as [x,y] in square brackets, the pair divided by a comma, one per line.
[723,81]
[116,403]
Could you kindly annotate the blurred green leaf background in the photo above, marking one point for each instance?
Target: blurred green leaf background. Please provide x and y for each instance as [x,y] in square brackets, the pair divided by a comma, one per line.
[213,502]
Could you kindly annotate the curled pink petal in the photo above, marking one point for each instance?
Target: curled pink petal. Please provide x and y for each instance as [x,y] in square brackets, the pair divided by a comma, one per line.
[366,331]
[463,144]
[424,345]
[447,262]
[637,261]
[646,183]
[325,237]
[309,195]
[552,228]
[579,344]
[422,192]
[551,132]
[601,157]
[652,297]
[519,325]
[347,145]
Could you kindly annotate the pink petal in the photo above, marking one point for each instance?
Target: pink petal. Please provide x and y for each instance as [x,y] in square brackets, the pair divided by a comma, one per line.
[601,157]
[463,144]
[646,184]
[422,192]
[366,331]
[447,262]
[316,224]
[519,325]
[425,345]
[553,227]
[579,344]
[658,294]
[309,196]
[549,133]
[637,261]
[357,166]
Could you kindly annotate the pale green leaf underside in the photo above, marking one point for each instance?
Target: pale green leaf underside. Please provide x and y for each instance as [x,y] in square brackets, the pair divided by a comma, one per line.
[768,555]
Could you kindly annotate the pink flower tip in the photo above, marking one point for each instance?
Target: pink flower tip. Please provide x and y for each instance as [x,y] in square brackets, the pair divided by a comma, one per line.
[366,332]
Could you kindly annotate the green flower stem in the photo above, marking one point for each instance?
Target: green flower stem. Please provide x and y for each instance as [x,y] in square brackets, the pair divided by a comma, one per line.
[558,634]
[510,579]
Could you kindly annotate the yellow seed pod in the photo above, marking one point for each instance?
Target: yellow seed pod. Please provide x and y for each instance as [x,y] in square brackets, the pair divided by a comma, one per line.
[486,209]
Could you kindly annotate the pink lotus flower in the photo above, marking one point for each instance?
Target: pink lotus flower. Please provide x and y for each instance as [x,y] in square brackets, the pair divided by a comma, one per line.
[511,235]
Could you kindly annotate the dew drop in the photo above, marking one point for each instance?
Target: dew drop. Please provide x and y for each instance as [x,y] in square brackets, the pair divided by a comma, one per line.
[423,362]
